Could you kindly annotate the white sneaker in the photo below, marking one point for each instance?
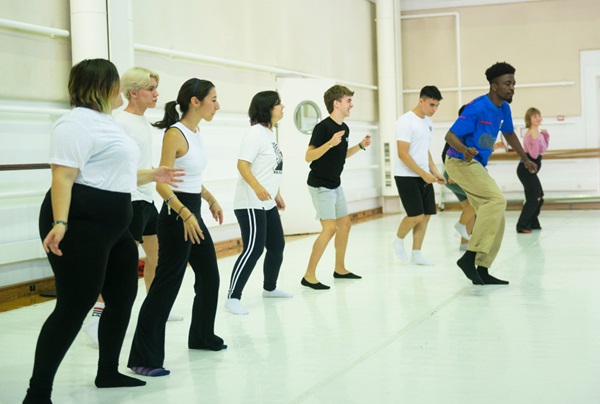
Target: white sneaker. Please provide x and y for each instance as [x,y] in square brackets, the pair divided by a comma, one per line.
[277,293]
[235,306]
[91,329]
[399,249]
[174,317]
[462,230]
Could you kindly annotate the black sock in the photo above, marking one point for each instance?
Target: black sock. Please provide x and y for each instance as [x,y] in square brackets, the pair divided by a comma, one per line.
[215,344]
[489,279]
[37,397]
[116,379]
[467,264]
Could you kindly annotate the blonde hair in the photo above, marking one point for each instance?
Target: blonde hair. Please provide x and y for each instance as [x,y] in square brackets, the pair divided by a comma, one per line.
[530,112]
[135,78]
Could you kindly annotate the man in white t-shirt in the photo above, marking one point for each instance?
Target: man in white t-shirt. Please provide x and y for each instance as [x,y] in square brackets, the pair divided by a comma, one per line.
[415,173]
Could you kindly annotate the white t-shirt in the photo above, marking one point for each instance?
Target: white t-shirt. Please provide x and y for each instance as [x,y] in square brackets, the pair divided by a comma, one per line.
[259,148]
[416,131]
[194,161]
[138,127]
[99,147]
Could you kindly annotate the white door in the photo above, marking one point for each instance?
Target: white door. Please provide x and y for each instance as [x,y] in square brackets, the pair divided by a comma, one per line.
[299,215]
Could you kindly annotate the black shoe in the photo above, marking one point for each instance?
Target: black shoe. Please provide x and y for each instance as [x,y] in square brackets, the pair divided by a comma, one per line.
[316,286]
[349,275]
[489,279]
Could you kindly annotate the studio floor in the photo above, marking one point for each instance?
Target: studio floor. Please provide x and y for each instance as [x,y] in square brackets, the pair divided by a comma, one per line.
[402,334]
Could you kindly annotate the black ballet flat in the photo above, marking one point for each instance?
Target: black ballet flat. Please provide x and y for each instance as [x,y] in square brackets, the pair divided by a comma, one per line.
[349,275]
[316,286]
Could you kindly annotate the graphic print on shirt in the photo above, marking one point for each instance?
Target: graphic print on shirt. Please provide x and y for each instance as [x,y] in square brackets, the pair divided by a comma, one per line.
[279,156]
[486,141]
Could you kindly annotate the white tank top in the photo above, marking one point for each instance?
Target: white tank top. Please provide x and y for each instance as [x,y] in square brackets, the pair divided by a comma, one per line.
[194,161]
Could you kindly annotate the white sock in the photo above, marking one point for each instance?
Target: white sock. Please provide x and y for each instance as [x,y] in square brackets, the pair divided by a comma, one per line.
[463,247]
[91,328]
[417,259]
[276,293]
[462,230]
[235,306]
[175,317]
[399,249]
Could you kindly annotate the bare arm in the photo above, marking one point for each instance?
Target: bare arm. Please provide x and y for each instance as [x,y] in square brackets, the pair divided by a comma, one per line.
[439,178]
[513,141]
[314,153]
[455,142]
[362,145]
[174,145]
[406,158]
[63,179]
[245,169]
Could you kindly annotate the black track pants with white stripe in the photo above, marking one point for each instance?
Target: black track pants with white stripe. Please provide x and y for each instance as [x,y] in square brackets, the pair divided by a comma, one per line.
[261,229]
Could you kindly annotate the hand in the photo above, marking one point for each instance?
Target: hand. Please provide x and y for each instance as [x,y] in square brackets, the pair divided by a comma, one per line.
[530,166]
[217,212]
[366,142]
[336,139]
[279,202]
[451,181]
[53,238]
[168,175]
[262,193]
[191,227]
[428,178]
[469,153]
[440,179]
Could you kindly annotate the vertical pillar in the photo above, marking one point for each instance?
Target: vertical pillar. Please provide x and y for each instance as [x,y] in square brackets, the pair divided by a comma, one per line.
[389,62]
[89,30]
[120,34]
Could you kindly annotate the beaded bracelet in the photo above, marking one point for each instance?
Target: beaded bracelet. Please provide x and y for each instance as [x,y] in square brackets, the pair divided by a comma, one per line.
[63,222]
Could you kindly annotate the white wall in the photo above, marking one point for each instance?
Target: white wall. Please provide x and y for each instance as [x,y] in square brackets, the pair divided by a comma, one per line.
[287,35]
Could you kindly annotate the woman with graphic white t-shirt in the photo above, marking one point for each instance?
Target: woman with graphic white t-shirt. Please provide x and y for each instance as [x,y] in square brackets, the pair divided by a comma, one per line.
[257,201]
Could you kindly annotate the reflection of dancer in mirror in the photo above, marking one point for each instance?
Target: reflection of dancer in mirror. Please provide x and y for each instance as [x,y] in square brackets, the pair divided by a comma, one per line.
[535,143]
[465,223]
[84,223]
[139,87]
[471,140]
[257,201]
[182,235]
[327,153]
[415,172]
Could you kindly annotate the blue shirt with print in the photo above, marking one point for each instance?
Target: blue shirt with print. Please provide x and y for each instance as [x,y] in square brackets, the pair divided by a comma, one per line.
[478,127]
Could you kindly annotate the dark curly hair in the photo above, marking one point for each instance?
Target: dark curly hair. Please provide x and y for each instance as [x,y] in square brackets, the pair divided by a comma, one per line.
[497,70]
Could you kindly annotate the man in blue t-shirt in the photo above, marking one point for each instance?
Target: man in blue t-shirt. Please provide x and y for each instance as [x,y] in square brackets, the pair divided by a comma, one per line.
[471,140]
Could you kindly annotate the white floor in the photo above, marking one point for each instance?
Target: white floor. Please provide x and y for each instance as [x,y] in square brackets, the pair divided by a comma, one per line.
[402,334]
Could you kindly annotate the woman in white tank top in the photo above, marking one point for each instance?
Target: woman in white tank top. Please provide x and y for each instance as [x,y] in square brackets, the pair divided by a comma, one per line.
[182,235]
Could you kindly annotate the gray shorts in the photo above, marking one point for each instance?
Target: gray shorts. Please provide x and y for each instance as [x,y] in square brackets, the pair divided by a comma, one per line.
[330,204]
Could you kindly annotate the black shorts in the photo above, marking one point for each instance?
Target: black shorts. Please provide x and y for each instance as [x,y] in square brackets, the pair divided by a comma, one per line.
[417,196]
[144,221]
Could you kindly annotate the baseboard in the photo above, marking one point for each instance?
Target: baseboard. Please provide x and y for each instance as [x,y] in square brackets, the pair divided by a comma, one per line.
[223,248]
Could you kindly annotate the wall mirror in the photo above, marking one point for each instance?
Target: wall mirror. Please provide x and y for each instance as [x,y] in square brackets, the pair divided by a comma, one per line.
[306,116]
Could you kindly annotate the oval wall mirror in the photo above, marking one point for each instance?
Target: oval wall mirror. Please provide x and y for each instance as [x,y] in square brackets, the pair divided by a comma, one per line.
[306,116]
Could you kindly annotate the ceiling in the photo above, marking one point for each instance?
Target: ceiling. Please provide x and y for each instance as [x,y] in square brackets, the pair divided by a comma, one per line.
[415,5]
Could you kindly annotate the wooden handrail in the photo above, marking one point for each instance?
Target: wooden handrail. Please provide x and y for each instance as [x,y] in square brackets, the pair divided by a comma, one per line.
[551,154]
[20,167]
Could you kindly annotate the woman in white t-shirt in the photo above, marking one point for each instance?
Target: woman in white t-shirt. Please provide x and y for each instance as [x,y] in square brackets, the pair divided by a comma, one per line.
[84,222]
[257,201]
[182,235]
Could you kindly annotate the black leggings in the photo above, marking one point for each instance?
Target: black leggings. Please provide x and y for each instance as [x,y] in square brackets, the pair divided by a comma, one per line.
[99,257]
[174,253]
[534,196]
[260,229]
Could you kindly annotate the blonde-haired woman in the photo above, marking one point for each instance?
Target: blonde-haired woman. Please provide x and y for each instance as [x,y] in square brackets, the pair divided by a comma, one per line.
[535,144]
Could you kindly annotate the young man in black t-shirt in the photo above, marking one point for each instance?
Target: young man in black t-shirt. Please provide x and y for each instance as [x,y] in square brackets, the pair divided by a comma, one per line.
[327,152]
